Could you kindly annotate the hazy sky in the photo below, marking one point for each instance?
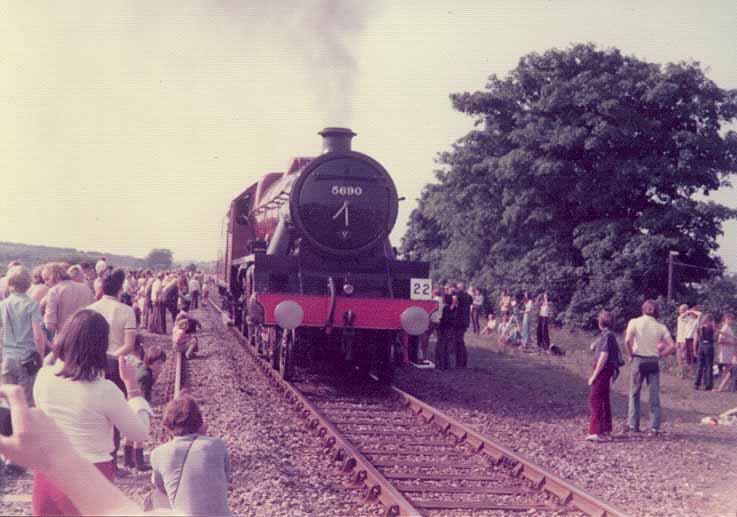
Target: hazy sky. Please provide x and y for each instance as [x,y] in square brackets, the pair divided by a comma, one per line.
[129,125]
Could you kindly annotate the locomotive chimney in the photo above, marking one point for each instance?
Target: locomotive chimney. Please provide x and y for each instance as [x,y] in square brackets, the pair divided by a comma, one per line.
[336,139]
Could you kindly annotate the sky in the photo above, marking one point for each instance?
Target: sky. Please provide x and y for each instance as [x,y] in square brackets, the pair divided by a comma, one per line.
[130,125]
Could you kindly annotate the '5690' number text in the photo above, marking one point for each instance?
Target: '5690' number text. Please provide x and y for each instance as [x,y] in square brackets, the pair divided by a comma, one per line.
[342,190]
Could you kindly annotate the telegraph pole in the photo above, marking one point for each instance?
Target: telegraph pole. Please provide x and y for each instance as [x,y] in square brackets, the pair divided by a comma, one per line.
[671,256]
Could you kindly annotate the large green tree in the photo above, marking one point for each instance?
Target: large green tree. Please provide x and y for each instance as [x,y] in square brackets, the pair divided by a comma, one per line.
[586,167]
[160,258]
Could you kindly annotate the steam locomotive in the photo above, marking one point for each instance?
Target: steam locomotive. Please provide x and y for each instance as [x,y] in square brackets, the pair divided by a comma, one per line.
[307,271]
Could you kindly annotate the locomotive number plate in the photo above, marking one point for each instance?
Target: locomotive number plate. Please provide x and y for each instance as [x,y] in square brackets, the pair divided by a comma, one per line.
[346,190]
[420,289]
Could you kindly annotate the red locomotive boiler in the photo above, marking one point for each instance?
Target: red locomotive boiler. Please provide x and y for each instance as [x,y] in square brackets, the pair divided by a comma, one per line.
[308,272]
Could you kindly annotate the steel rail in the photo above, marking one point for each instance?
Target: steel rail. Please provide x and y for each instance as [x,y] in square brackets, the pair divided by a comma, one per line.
[355,464]
[380,489]
[178,373]
[541,478]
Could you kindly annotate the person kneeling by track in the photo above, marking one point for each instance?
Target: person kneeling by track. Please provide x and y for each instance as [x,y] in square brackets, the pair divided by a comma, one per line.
[183,335]
[192,470]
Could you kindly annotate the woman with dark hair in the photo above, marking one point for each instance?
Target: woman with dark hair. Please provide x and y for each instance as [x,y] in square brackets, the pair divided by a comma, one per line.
[72,390]
[190,472]
[606,367]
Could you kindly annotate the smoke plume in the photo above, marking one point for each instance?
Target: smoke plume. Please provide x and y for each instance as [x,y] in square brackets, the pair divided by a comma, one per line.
[325,35]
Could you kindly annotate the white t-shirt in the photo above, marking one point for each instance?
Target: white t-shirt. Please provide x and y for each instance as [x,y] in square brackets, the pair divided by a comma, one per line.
[646,332]
[545,310]
[686,327]
[194,285]
[87,411]
[119,316]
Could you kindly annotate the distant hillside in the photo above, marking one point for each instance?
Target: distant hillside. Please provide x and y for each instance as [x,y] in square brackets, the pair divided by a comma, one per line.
[31,256]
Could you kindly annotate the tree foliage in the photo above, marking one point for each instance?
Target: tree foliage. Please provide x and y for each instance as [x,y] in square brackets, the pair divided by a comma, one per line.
[586,167]
[160,258]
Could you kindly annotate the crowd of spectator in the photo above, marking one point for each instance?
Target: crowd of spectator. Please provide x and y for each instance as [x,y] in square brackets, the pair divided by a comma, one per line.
[703,348]
[71,342]
[459,310]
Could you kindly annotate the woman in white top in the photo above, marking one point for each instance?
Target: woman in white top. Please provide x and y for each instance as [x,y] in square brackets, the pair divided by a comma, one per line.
[72,390]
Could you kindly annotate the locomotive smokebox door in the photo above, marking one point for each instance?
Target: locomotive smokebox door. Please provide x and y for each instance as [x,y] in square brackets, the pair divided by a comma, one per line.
[344,202]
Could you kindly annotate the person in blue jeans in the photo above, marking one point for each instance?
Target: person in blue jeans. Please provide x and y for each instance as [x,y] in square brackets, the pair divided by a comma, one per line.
[643,339]
[705,353]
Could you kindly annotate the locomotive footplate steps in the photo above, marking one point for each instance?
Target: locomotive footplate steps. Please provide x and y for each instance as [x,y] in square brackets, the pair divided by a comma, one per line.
[439,464]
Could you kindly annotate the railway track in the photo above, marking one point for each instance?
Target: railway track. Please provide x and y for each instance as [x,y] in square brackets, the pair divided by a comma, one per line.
[415,460]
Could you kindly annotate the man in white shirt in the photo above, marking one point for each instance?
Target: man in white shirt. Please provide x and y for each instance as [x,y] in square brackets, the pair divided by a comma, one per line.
[686,330]
[122,336]
[120,317]
[194,289]
[647,340]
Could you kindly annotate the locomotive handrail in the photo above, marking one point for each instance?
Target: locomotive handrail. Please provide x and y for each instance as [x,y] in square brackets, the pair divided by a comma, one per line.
[333,298]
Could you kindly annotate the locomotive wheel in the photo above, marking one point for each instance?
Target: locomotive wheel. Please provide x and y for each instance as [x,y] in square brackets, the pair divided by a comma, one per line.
[362,358]
[274,347]
[237,316]
[258,339]
[244,324]
[286,355]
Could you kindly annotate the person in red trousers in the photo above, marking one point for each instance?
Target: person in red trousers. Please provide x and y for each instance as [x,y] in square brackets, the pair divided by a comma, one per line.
[606,367]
